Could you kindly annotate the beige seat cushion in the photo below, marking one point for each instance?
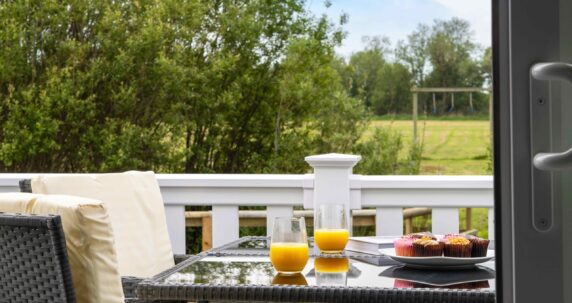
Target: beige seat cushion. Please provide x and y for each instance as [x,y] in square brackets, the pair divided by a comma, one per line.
[89,240]
[136,210]
[16,202]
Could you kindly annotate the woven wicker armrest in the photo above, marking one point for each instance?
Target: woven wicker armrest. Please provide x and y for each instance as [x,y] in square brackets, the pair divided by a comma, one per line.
[33,260]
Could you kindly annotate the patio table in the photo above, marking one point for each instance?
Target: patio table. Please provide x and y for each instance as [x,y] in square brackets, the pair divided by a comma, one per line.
[241,271]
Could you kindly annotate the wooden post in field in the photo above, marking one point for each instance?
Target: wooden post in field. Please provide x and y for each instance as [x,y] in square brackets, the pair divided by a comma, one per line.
[415,116]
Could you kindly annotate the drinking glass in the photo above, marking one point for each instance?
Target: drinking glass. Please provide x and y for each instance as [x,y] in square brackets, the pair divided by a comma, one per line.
[289,245]
[331,234]
[331,271]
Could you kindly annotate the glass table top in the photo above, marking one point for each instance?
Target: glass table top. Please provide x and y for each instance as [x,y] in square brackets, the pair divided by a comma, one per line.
[247,263]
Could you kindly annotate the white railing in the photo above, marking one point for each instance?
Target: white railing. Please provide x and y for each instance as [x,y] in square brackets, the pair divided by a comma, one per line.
[332,182]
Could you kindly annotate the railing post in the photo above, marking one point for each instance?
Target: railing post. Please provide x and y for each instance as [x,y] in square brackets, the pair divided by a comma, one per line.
[389,221]
[445,221]
[176,225]
[332,173]
[491,223]
[273,212]
[224,224]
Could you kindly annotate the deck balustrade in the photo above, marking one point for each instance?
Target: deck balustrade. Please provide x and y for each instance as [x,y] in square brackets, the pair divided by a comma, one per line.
[331,182]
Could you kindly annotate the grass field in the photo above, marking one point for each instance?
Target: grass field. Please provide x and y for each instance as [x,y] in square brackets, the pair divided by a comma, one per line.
[453,147]
[450,147]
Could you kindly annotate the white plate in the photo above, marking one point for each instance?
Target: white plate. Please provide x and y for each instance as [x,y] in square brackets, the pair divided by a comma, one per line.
[438,262]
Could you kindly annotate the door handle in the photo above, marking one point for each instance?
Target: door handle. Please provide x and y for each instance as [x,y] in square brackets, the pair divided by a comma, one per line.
[552,71]
[553,161]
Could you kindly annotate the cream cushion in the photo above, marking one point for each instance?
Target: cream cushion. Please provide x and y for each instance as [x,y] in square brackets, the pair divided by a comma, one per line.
[16,202]
[136,211]
[89,240]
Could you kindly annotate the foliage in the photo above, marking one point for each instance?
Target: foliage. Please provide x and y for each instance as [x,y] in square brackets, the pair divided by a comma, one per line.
[414,53]
[381,154]
[441,55]
[173,86]
[383,86]
[450,48]
[444,55]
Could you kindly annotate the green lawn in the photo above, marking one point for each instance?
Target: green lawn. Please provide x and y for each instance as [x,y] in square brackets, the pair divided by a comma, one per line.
[449,147]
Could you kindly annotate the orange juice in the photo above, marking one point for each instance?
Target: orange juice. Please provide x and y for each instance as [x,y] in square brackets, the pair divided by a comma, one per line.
[331,240]
[289,257]
[331,265]
[295,279]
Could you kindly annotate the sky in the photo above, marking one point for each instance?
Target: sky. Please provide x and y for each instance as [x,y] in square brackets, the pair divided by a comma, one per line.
[395,19]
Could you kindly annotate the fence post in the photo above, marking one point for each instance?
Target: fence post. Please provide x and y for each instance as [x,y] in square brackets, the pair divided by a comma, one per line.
[332,173]
[176,225]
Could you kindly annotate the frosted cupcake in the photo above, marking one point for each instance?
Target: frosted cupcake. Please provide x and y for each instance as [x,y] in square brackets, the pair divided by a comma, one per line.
[404,246]
[427,247]
[458,247]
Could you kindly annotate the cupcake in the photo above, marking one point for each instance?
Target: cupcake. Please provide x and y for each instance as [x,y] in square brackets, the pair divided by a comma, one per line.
[479,247]
[458,247]
[427,247]
[423,235]
[404,246]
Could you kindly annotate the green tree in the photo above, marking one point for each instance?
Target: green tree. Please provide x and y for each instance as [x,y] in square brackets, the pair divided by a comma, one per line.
[450,48]
[487,67]
[173,86]
[365,67]
[382,85]
[413,53]
[393,89]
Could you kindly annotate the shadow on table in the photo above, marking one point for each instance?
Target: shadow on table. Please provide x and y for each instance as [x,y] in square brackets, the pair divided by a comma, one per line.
[458,279]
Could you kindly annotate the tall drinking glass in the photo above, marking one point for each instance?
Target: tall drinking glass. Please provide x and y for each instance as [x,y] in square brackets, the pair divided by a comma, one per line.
[289,245]
[331,234]
[331,271]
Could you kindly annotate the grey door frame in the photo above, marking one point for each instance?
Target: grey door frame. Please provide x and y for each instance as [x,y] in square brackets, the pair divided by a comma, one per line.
[529,262]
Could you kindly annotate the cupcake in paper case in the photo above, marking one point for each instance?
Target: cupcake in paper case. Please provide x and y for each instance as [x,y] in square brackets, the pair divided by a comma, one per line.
[458,247]
[427,247]
[404,246]
[479,247]
[424,234]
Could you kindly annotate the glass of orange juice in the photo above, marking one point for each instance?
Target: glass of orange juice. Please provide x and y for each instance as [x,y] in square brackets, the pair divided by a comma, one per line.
[289,245]
[331,271]
[331,234]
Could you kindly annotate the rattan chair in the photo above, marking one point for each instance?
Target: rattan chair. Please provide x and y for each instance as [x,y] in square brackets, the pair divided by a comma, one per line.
[34,265]
[129,283]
